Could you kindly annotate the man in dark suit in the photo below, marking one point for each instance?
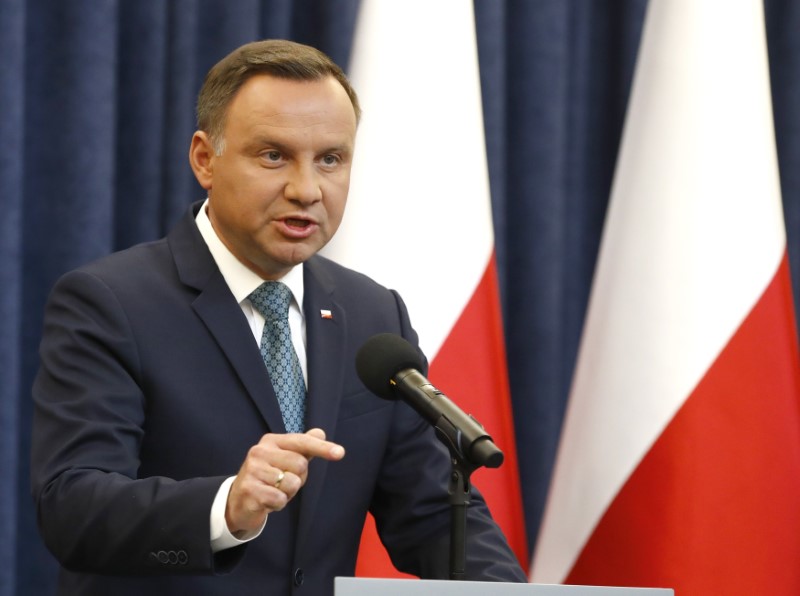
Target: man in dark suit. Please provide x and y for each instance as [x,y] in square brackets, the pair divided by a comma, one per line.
[161,461]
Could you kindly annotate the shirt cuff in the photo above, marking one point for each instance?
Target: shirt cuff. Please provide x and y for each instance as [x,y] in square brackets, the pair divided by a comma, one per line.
[221,537]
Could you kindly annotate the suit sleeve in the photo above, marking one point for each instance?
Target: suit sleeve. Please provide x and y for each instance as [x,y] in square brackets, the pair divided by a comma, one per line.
[94,512]
[411,505]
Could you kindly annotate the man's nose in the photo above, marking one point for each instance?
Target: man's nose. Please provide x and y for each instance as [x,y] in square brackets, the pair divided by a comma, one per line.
[303,184]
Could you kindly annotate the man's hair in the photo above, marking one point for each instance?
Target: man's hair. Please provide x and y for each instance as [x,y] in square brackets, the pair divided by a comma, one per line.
[275,57]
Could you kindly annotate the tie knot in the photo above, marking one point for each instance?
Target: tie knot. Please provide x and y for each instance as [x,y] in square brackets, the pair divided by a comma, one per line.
[272,299]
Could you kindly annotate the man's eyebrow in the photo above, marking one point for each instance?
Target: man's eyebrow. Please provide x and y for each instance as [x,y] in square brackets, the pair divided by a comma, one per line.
[263,141]
[338,148]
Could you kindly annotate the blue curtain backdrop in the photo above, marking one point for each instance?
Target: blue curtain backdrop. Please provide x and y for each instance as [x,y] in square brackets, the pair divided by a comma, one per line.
[96,113]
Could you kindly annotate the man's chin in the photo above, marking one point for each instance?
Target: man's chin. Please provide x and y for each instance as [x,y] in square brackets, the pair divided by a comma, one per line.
[279,264]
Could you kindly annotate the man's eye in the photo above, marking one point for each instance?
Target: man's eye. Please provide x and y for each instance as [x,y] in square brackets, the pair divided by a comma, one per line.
[330,160]
[272,155]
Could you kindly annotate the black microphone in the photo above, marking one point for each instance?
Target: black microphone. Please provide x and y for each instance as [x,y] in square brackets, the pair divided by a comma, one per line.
[390,367]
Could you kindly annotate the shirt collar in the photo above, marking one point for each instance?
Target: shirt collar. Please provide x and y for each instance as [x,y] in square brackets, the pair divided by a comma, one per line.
[241,280]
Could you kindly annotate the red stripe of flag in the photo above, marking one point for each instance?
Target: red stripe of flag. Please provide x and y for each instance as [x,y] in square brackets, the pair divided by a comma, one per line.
[714,507]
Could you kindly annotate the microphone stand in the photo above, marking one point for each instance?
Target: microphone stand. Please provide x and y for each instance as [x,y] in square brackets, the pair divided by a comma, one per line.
[460,493]
[459,501]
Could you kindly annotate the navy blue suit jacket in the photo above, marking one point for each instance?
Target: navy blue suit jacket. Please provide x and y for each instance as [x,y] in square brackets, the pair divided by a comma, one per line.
[152,389]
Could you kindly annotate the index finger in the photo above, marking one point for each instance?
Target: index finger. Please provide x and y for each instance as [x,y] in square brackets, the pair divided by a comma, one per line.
[312,444]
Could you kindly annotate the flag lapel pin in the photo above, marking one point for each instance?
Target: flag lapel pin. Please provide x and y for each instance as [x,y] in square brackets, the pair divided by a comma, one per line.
[325,314]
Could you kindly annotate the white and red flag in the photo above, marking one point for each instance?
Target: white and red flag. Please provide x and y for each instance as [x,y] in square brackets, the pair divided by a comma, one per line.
[679,463]
[419,220]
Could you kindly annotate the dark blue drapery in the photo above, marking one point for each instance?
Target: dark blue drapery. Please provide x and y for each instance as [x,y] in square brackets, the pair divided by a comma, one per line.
[96,112]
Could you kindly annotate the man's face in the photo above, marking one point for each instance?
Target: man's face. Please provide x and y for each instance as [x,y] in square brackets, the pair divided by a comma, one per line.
[278,190]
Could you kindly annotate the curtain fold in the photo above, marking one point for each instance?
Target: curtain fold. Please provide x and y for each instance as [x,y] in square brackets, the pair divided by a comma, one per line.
[783,44]
[12,49]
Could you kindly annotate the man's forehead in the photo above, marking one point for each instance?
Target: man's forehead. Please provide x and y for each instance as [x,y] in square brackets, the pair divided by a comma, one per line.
[293,104]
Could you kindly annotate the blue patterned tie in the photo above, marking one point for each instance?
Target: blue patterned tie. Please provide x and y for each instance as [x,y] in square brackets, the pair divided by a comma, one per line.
[272,299]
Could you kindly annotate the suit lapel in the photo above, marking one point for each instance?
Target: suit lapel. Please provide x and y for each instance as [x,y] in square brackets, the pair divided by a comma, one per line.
[224,319]
[326,334]
[219,311]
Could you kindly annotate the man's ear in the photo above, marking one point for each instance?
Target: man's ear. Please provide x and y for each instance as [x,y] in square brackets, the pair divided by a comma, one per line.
[201,158]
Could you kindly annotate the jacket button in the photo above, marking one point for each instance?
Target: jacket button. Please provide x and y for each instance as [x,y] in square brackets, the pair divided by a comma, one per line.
[298,577]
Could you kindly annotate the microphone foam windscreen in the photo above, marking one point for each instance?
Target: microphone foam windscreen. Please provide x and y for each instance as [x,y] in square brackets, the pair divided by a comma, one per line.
[380,358]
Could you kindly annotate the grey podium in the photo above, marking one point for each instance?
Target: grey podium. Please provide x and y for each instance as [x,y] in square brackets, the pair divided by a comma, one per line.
[355,586]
